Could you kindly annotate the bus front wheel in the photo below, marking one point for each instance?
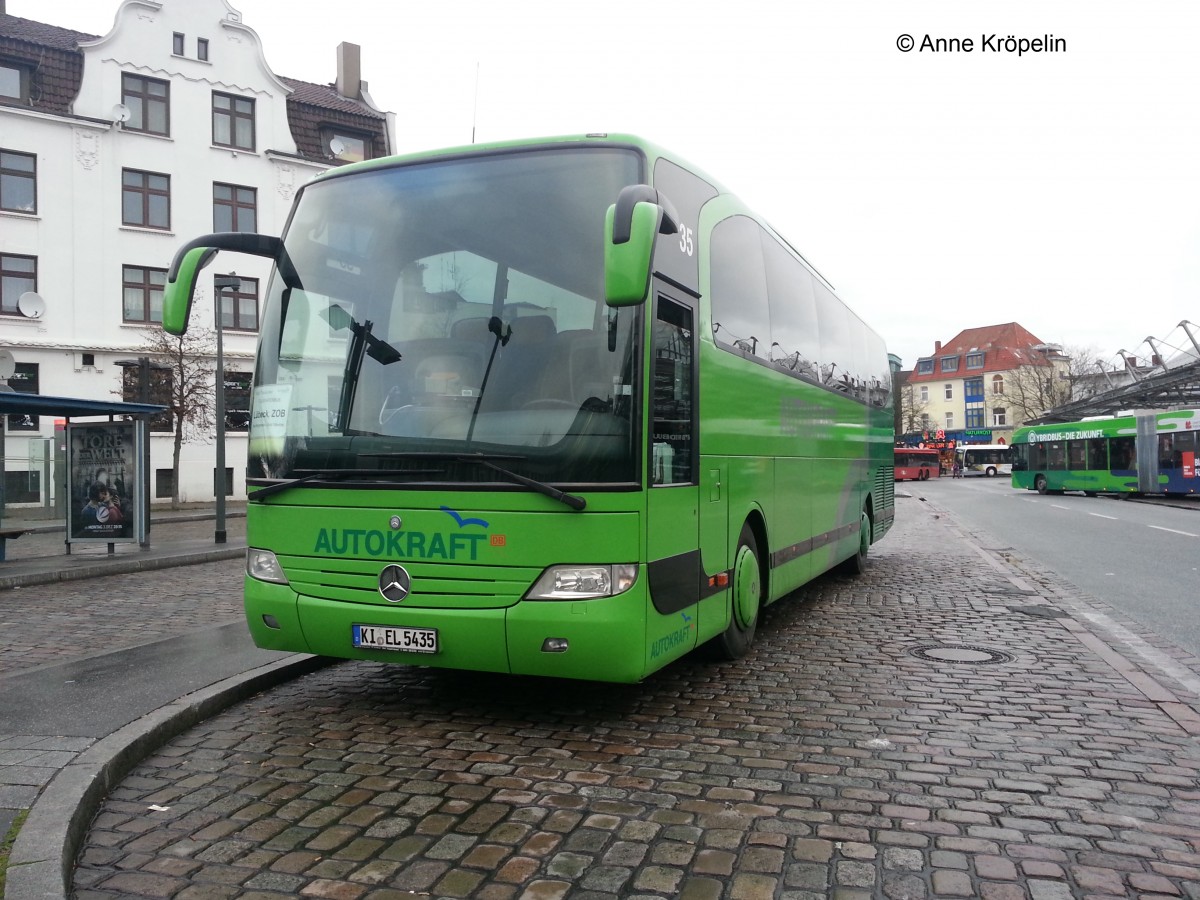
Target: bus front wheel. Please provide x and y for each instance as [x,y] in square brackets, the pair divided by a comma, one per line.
[736,640]
[1039,485]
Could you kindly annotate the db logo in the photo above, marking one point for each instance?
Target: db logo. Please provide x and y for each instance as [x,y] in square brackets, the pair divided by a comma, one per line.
[499,540]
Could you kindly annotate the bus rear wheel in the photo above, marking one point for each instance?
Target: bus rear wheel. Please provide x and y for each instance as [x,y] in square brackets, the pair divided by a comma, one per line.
[991,472]
[857,564]
[736,640]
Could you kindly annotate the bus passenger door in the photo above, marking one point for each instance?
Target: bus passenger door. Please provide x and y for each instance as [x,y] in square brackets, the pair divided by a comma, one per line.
[672,533]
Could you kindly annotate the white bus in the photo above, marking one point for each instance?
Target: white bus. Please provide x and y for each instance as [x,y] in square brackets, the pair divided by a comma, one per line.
[984,459]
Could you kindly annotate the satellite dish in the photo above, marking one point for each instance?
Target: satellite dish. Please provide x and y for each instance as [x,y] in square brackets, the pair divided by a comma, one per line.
[8,365]
[120,113]
[337,146]
[31,305]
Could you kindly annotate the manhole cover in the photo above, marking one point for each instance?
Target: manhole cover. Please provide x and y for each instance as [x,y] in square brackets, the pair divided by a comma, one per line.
[1042,611]
[959,653]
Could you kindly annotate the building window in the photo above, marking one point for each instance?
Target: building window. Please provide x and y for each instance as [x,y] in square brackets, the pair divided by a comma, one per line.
[346,146]
[145,199]
[924,366]
[974,360]
[148,100]
[14,81]
[232,121]
[974,417]
[24,381]
[18,181]
[949,391]
[949,420]
[164,483]
[949,363]
[998,416]
[177,44]
[18,275]
[157,391]
[239,309]
[237,401]
[202,49]
[235,208]
[143,289]
[973,390]
[997,384]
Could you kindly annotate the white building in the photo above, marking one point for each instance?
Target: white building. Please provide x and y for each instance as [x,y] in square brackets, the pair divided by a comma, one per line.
[114,151]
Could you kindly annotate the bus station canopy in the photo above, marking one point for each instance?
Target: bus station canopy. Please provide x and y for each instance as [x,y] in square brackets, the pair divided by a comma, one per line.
[16,403]
[1175,388]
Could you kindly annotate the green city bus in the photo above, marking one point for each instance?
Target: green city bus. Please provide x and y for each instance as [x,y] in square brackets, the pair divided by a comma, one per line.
[1137,453]
[560,407]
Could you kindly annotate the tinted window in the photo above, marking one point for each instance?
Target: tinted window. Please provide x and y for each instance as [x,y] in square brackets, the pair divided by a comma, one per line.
[677,255]
[741,319]
[795,340]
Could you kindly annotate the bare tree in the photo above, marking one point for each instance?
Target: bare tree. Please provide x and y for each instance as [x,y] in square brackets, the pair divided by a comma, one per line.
[1050,379]
[182,379]
[910,410]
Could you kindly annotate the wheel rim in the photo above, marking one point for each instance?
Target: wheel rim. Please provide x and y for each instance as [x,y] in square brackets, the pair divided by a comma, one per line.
[746,588]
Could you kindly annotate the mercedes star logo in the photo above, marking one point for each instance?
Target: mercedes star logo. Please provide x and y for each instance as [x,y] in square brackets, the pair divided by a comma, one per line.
[394,584]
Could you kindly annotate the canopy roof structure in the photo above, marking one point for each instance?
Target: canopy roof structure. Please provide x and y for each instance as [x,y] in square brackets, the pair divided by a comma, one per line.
[1175,388]
[16,403]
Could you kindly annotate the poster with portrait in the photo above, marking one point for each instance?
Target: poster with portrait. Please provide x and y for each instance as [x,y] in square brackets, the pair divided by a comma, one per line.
[102,479]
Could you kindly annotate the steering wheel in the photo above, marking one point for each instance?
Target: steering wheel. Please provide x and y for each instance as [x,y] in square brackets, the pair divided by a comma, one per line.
[550,403]
[393,402]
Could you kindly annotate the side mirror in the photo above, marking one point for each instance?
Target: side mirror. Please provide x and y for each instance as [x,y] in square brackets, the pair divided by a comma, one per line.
[631,228]
[194,256]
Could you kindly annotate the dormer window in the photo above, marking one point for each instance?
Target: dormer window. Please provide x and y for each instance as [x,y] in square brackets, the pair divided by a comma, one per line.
[975,360]
[14,81]
[949,363]
[924,366]
[345,146]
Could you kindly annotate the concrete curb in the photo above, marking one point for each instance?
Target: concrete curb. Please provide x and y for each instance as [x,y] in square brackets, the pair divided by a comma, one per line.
[121,565]
[43,856]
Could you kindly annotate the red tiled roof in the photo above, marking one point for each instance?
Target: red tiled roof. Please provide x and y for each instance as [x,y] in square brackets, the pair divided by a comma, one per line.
[1005,347]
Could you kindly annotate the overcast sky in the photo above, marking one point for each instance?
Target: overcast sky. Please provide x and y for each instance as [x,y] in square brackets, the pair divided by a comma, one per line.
[937,191]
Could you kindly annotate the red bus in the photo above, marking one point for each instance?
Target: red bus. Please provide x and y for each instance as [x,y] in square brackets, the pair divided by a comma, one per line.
[917,464]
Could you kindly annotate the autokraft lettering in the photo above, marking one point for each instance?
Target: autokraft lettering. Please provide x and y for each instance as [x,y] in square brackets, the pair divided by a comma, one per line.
[398,544]
[394,583]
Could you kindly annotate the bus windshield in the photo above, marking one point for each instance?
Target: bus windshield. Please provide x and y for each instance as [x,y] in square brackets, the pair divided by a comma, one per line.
[429,315]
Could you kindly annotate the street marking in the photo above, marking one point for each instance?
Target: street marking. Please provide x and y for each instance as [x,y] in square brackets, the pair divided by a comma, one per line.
[1174,531]
[1102,516]
[1058,506]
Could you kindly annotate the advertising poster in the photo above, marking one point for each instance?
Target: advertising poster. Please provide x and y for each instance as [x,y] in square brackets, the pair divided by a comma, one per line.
[102,472]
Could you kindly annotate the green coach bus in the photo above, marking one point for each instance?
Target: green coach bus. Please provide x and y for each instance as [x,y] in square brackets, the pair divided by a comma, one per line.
[1138,453]
[560,407]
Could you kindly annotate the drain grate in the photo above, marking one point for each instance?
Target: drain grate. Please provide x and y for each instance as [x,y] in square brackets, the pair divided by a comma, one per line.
[970,654]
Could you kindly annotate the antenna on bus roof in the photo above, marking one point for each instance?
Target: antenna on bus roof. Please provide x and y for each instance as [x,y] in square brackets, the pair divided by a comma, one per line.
[475,108]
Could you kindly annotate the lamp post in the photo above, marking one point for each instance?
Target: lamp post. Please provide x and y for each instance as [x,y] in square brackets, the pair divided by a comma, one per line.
[221,283]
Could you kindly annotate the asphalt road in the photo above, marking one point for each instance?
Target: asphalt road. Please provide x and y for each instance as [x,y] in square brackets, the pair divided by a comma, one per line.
[1140,558]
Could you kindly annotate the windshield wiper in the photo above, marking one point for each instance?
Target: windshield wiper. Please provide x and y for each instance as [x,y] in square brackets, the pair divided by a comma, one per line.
[332,475]
[576,503]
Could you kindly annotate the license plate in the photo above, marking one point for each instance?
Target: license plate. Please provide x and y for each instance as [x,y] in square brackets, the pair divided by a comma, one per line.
[384,637]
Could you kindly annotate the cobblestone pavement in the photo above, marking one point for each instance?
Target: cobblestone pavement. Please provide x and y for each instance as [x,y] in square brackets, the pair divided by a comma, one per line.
[50,623]
[953,724]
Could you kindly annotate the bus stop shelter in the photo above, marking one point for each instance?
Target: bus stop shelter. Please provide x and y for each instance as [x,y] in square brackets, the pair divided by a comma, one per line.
[113,416]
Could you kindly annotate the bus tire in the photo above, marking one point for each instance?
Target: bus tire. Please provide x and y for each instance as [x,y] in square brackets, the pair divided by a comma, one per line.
[857,564]
[991,472]
[1039,485]
[746,599]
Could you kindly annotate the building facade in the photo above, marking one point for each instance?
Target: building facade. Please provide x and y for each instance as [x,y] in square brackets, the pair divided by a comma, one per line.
[114,151]
[981,384]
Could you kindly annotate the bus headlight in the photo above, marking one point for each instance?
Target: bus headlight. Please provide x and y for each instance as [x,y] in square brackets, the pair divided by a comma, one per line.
[263,566]
[583,582]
